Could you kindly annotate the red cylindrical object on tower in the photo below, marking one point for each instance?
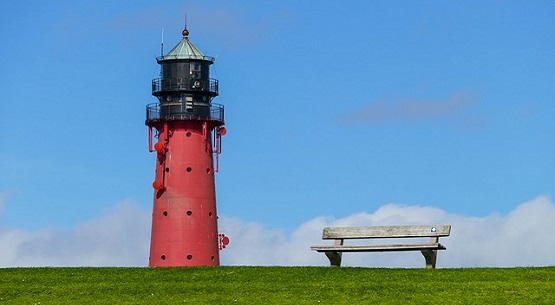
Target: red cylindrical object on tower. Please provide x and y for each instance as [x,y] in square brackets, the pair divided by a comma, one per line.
[184,217]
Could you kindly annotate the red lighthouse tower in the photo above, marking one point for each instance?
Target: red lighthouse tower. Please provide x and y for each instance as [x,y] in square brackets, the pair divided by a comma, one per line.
[188,128]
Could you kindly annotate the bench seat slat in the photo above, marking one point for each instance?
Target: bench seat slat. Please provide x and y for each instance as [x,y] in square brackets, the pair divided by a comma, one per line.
[379,248]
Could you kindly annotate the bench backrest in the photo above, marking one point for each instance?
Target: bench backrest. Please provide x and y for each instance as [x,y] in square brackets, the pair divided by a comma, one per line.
[386,232]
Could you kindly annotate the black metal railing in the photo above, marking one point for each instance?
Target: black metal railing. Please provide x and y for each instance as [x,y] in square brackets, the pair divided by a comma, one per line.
[169,112]
[160,85]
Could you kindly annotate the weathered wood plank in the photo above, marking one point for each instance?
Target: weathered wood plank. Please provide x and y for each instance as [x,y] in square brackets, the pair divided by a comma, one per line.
[386,231]
[379,248]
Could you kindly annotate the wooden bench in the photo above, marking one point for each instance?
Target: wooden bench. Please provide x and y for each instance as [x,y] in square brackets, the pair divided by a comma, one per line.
[429,250]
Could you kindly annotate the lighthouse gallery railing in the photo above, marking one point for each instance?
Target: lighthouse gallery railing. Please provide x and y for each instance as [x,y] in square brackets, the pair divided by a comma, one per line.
[153,113]
[166,85]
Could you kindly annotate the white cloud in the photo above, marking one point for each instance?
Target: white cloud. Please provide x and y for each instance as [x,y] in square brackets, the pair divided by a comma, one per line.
[3,196]
[410,109]
[120,237]
[227,24]
[521,238]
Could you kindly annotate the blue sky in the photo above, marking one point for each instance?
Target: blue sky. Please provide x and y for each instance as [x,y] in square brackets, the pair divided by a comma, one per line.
[332,109]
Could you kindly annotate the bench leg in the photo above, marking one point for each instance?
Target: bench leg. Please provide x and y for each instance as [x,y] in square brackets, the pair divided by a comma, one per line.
[431,257]
[335,258]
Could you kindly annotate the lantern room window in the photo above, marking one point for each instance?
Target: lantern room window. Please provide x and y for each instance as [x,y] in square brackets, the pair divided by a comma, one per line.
[195,70]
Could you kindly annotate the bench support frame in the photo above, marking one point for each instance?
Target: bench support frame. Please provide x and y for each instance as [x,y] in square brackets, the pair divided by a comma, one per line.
[431,257]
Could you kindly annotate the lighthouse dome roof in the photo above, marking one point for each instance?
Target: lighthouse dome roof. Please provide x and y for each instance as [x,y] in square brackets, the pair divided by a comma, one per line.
[185,50]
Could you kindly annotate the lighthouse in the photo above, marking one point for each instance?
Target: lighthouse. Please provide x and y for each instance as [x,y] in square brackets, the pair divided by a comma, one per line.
[185,130]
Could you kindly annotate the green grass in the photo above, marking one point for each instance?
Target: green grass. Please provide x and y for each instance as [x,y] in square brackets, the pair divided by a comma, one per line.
[276,285]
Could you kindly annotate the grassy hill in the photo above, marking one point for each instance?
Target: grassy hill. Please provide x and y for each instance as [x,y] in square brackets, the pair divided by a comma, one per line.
[276,285]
